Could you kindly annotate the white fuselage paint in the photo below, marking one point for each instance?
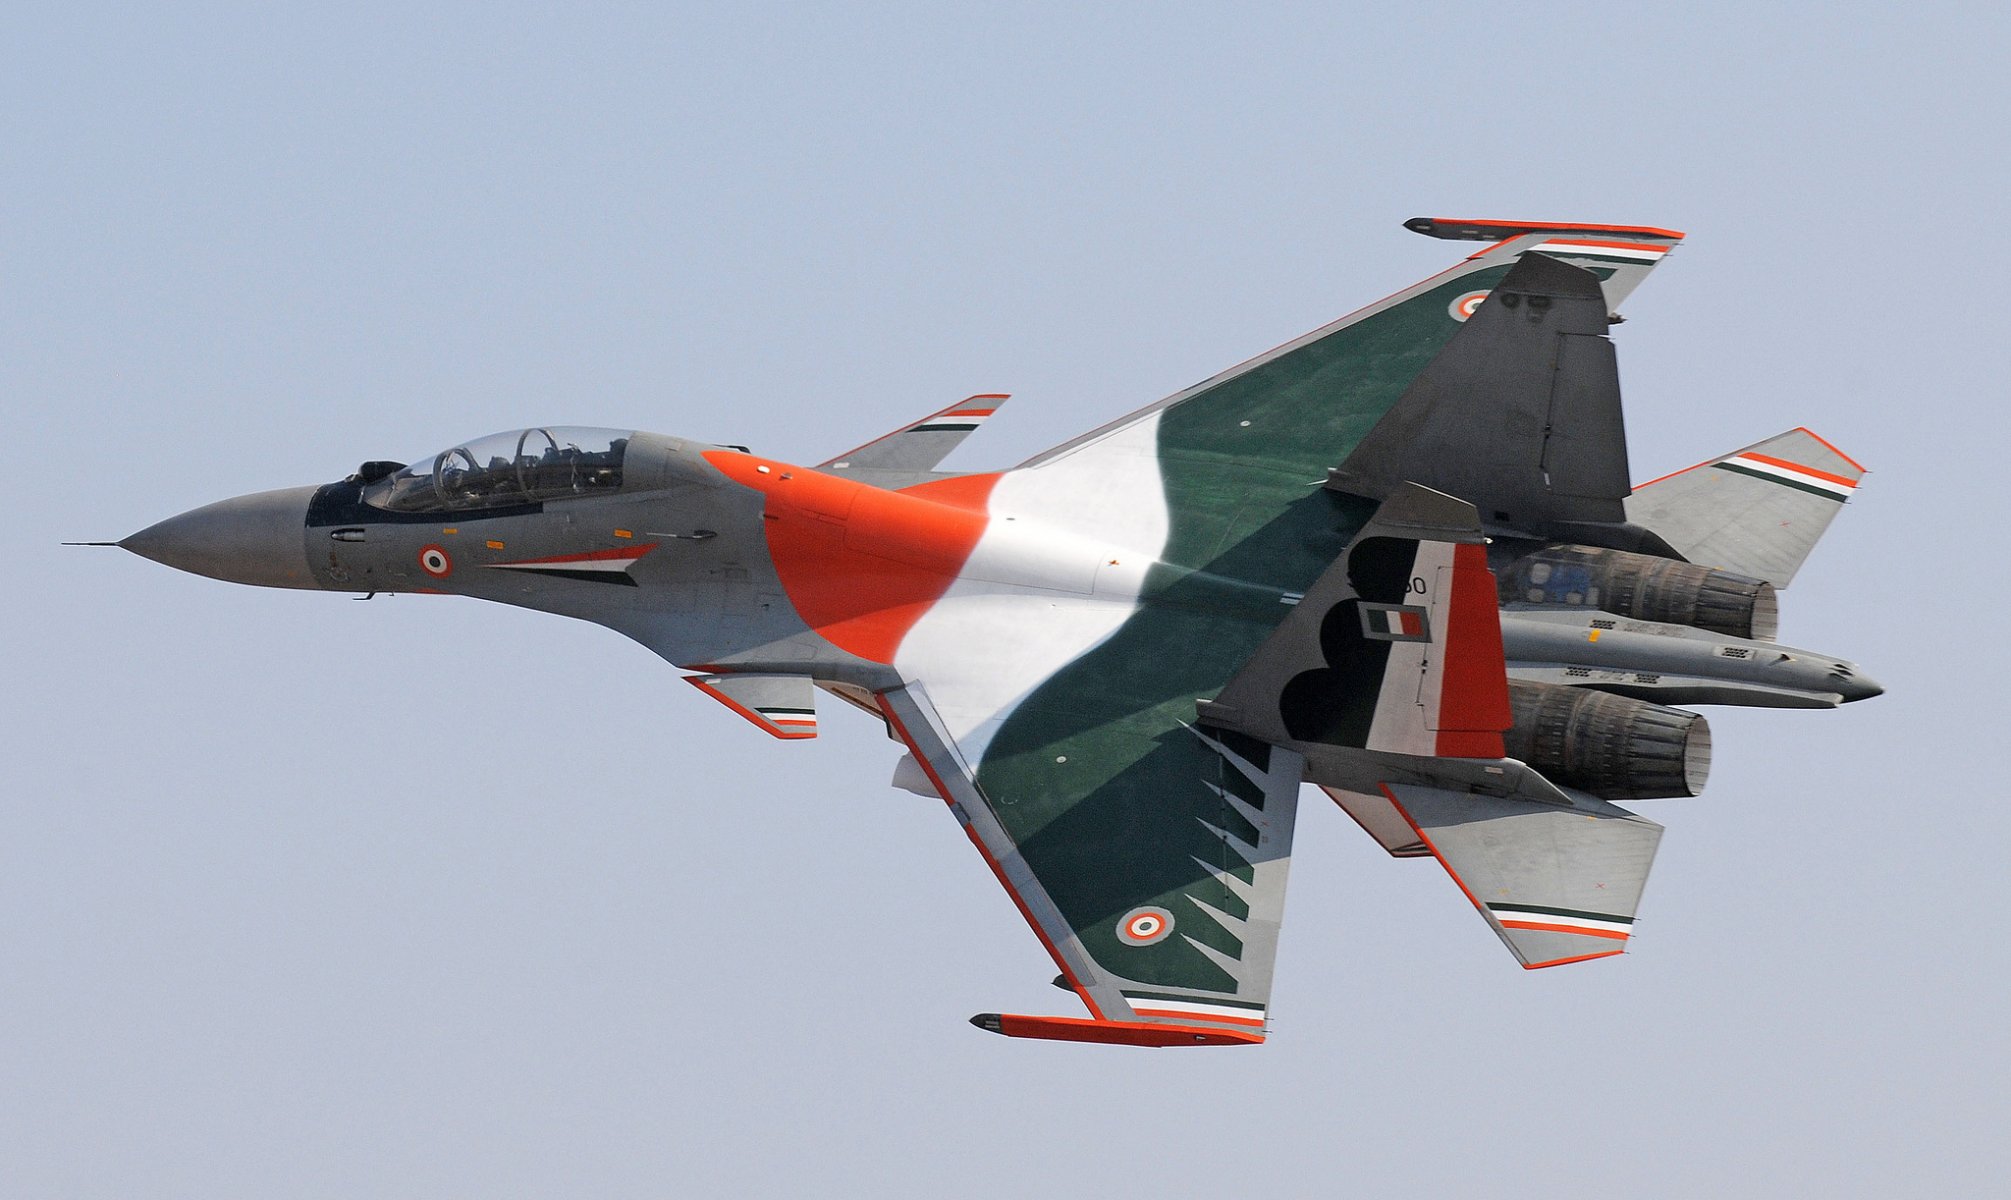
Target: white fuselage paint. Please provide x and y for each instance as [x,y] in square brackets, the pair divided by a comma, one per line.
[1059,569]
[1407,706]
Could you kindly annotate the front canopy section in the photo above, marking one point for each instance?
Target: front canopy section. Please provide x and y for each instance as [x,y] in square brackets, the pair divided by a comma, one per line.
[507,469]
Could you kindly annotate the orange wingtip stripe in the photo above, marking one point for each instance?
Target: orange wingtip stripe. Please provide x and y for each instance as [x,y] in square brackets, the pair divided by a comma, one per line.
[1832,446]
[1559,962]
[1564,226]
[1195,1016]
[1771,461]
[969,412]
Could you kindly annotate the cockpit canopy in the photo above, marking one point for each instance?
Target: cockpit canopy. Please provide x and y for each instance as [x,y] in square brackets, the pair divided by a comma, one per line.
[505,469]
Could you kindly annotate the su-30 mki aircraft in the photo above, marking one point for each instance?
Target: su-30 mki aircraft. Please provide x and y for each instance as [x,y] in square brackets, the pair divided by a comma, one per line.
[1398,557]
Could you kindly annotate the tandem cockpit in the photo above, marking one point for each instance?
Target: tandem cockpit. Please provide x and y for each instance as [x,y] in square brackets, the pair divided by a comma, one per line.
[505,470]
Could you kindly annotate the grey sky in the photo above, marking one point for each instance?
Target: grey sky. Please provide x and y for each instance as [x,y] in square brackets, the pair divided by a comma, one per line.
[301,896]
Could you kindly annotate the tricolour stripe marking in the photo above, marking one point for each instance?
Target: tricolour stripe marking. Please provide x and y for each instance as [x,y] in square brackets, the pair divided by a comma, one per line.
[1798,468]
[1794,475]
[1252,1013]
[1183,1014]
[1561,920]
[788,718]
[1631,251]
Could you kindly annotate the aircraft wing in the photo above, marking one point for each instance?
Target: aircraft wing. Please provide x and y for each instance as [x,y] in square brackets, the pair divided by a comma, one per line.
[1153,872]
[1557,885]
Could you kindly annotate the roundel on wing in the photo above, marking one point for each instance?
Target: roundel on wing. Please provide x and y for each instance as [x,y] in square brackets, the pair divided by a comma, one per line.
[1463,307]
[1144,926]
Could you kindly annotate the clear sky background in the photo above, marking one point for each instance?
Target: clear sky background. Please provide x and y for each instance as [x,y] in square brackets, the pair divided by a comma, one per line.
[301,896]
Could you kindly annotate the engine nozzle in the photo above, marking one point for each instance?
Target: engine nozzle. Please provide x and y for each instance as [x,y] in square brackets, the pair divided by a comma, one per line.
[1644,588]
[1615,747]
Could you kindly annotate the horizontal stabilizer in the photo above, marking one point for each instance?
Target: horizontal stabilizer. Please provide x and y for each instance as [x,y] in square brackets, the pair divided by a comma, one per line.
[1381,820]
[1756,511]
[1557,885]
[784,706]
[1521,409]
[923,444]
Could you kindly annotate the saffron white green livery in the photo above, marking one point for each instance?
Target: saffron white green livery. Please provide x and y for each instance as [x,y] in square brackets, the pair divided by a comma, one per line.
[1397,557]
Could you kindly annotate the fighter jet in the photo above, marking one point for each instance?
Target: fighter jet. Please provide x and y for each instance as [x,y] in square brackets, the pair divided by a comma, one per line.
[1398,557]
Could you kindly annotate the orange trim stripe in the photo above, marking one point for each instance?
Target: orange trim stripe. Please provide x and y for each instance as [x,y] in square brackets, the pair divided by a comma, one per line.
[1797,429]
[1426,839]
[1832,446]
[616,554]
[1578,929]
[1558,962]
[1195,1016]
[1771,461]
[894,722]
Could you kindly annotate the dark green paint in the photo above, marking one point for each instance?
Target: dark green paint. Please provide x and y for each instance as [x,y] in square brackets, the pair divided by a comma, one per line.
[1246,506]
[1542,910]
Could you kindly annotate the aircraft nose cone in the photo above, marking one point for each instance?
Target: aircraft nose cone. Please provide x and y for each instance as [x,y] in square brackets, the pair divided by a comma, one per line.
[257,539]
[1853,684]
